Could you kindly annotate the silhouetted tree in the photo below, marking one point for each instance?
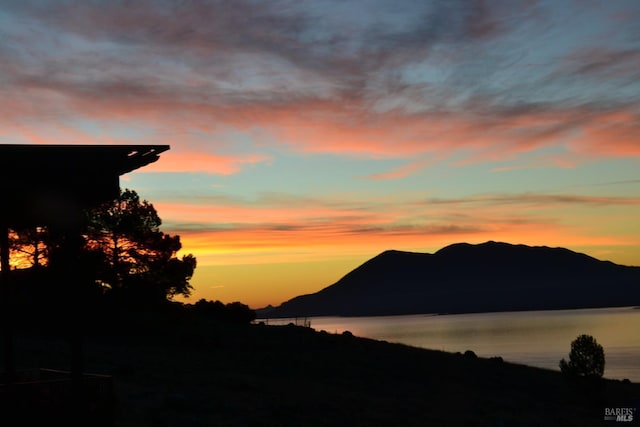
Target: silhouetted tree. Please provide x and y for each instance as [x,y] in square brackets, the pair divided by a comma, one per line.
[122,249]
[239,312]
[585,359]
[30,246]
[234,312]
[137,259]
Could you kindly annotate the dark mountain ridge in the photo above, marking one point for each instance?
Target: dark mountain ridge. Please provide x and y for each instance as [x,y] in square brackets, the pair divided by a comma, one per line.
[465,278]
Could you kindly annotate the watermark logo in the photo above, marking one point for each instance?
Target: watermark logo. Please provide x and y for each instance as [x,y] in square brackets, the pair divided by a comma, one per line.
[621,414]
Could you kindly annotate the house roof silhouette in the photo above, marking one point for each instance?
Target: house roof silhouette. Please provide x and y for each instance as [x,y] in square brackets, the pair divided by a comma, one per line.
[48,184]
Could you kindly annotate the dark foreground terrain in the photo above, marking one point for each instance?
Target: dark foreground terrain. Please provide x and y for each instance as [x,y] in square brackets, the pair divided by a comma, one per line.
[212,374]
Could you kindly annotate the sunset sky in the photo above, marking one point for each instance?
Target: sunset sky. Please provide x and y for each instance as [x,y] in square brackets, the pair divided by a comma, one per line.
[308,136]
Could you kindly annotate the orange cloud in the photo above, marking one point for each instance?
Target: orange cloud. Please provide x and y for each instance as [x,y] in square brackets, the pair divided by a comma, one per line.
[616,134]
[199,162]
[292,81]
[277,230]
[311,124]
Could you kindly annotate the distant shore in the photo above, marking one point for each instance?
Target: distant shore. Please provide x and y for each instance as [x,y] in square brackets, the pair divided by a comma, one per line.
[499,334]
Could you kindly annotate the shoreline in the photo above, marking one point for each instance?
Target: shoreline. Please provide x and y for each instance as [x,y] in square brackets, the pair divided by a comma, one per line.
[499,334]
[462,313]
[213,373]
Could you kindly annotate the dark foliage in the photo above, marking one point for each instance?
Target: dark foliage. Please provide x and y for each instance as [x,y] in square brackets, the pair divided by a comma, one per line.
[586,358]
[234,312]
[137,260]
[470,354]
[119,252]
[30,245]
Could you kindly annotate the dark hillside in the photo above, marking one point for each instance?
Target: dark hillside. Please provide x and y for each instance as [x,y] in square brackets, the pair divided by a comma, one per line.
[213,374]
[472,278]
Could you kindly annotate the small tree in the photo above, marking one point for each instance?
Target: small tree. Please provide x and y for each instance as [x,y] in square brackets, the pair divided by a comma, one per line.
[585,359]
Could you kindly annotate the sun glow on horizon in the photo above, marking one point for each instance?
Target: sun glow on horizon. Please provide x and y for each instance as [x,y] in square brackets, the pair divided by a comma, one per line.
[304,142]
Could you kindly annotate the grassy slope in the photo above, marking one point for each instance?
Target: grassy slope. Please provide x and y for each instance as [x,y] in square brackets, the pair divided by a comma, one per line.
[268,375]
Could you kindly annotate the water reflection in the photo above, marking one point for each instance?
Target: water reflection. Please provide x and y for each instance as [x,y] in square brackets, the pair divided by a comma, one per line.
[536,338]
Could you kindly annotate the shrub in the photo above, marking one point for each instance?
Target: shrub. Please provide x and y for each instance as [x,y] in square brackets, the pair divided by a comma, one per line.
[585,359]
[470,354]
[234,312]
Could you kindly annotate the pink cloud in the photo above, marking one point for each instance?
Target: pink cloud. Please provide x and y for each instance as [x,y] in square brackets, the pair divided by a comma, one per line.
[311,85]
[284,225]
[199,162]
[616,134]
[603,62]
[401,171]
[332,126]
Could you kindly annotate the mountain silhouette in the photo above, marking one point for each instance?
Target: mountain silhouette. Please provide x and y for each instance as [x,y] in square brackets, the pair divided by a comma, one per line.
[467,278]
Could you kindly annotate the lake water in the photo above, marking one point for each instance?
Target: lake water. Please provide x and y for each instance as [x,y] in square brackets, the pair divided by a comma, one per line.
[535,338]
